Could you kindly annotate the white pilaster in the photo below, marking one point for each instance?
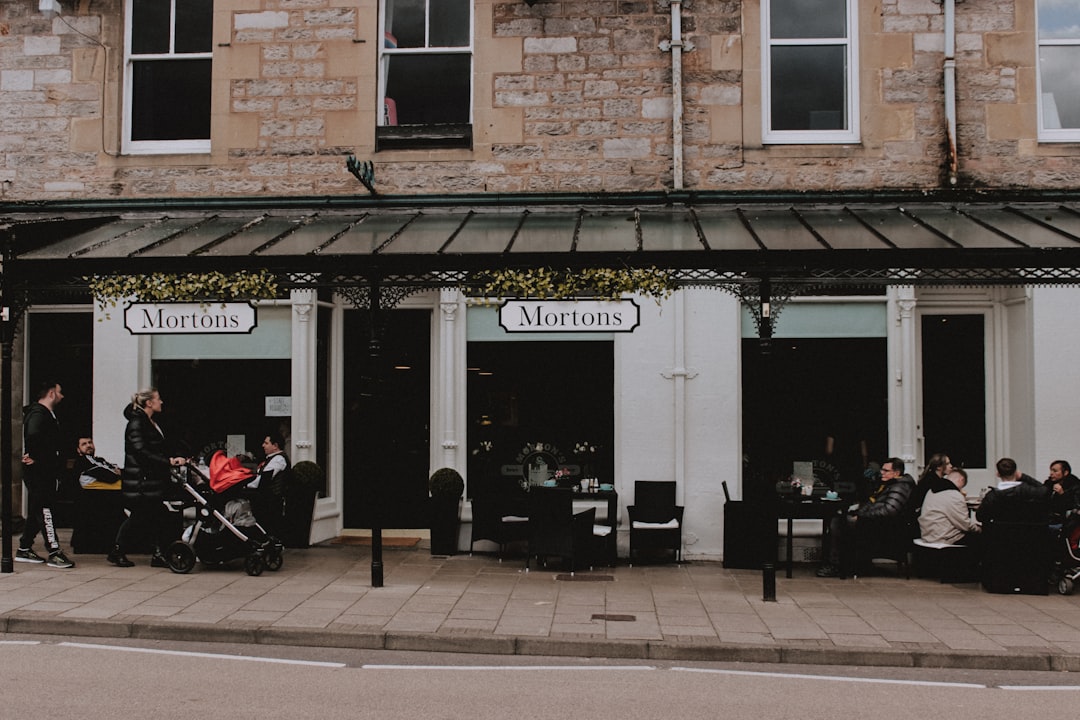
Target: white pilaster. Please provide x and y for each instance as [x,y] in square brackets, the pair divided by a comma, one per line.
[902,348]
[450,388]
[304,328]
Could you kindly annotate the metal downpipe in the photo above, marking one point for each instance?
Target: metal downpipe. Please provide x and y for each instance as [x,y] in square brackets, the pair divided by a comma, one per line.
[949,7]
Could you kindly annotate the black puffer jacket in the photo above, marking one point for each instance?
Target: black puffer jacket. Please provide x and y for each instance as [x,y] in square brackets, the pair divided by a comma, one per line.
[890,502]
[146,466]
[1027,501]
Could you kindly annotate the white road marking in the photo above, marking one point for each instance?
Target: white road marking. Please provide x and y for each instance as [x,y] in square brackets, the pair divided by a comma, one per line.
[487,668]
[1039,687]
[216,656]
[20,642]
[834,678]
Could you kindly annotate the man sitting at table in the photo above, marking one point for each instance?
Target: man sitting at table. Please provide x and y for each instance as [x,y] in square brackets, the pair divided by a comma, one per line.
[1017,498]
[944,517]
[95,473]
[886,507]
[97,514]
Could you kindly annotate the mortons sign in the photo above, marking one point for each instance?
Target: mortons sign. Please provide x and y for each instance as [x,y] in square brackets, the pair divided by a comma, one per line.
[215,318]
[575,316]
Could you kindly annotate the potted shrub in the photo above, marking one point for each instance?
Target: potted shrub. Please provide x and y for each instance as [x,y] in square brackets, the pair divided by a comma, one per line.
[305,481]
[446,487]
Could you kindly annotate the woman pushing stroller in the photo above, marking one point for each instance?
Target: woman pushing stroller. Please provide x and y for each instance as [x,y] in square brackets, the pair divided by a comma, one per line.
[146,479]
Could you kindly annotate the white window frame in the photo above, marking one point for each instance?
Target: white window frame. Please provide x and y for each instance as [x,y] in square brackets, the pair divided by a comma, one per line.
[154,147]
[851,58]
[1050,134]
[385,53]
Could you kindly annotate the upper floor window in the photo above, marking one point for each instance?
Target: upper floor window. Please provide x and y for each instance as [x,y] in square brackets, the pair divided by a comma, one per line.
[425,79]
[1059,82]
[810,91]
[167,67]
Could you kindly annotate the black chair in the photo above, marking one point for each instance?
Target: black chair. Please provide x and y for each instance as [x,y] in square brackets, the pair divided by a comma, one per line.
[655,520]
[501,517]
[884,539]
[1017,557]
[556,531]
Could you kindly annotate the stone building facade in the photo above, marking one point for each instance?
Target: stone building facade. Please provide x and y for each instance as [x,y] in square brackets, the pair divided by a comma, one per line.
[566,97]
[568,102]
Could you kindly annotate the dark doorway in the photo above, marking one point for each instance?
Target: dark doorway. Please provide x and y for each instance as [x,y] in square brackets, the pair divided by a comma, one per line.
[387,420]
[60,347]
[205,401]
[804,392]
[954,388]
[559,395]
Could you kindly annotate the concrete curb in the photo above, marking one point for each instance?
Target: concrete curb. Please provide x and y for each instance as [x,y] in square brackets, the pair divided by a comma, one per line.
[533,646]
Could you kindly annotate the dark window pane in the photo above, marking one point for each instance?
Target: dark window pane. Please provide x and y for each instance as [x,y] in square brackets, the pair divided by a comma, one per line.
[194,25]
[1058,19]
[809,88]
[150,26]
[1060,86]
[406,23]
[954,388]
[170,100]
[808,18]
[449,23]
[430,89]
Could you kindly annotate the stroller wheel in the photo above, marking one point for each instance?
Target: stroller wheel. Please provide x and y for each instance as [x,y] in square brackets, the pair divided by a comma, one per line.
[180,557]
[1065,586]
[274,557]
[254,564]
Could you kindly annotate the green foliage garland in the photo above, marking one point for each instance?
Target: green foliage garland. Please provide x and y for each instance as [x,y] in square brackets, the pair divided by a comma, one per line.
[600,283]
[183,287]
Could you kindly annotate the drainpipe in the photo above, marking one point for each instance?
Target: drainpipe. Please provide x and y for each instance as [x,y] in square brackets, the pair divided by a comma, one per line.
[676,46]
[949,7]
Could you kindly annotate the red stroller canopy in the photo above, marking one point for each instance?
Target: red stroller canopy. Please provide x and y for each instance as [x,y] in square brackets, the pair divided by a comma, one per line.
[225,472]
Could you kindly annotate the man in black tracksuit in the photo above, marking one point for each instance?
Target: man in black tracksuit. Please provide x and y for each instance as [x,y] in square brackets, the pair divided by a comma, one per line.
[42,465]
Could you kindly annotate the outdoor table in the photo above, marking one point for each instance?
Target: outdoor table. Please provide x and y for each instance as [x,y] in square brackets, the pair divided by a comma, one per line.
[611,497]
[797,507]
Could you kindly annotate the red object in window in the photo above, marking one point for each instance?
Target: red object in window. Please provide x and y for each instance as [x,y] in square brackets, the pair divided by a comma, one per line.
[389,111]
[389,40]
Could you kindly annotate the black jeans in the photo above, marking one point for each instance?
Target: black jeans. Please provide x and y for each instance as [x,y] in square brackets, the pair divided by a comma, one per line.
[40,497]
[148,520]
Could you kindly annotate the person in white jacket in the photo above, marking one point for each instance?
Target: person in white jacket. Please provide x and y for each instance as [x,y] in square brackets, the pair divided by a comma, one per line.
[944,517]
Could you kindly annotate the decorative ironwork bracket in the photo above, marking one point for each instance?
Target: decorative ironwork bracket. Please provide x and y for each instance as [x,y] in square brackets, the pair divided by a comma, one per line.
[363,171]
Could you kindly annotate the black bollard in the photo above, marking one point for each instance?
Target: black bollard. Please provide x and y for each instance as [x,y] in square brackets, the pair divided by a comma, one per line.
[376,558]
[768,582]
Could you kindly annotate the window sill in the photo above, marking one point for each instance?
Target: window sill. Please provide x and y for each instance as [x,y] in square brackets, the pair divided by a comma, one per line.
[423,137]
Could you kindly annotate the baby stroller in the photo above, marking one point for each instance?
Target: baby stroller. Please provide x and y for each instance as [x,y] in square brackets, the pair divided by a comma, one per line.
[1068,566]
[224,528]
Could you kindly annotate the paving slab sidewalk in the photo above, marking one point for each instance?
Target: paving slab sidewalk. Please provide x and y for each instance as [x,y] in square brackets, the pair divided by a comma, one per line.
[322,596]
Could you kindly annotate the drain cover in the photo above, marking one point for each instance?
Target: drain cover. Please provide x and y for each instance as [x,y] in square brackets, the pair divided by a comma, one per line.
[614,618]
[567,577]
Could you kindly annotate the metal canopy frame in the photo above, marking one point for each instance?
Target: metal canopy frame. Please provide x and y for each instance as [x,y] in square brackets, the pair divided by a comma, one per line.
[806,246]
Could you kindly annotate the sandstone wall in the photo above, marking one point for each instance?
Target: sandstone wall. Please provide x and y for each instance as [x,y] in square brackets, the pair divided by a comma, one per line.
[568,96]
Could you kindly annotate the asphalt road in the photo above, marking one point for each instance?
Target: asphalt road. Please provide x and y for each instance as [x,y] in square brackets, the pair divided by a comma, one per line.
[57,677]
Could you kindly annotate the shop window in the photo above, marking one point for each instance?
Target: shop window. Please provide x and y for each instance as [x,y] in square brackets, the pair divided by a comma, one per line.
[1059,83]
[809,64]
[167,75]
[815,400]
[425,83]
[538,403]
